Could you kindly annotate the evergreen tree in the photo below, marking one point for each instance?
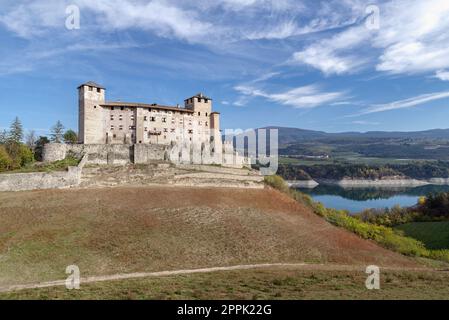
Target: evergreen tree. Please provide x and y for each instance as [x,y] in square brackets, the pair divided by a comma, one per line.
[3,137]
[70,137]
[40,143]
[57,133]
[16,131]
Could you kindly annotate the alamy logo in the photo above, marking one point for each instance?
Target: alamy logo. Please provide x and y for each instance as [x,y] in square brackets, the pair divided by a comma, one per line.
[373,20]
[373,280]
[73,280]
[73,19]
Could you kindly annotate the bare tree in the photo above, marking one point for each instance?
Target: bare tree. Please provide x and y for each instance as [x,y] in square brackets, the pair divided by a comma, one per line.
[31,139]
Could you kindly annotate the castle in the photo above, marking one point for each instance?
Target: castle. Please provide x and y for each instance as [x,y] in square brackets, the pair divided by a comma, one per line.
[102,122]
[126,132]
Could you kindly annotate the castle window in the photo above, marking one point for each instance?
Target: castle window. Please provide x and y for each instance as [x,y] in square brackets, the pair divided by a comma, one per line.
[172,130]
[120,127]
[112,108]
[153,119]
[199,113]
[122,108]
[91,88]
[165,130]
[146,128]
[205,100]
[114,136]
[112,127]
[145,118]
[112,117]
[120,117]
[164,119]
[98,90]
[206,123]
[190,131]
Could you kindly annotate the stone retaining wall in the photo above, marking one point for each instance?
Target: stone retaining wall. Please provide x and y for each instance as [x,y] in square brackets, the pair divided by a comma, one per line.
[42,180]
[121,154]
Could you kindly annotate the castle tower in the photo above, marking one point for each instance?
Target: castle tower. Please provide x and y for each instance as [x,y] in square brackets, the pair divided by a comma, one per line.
[200,104]
[91,118]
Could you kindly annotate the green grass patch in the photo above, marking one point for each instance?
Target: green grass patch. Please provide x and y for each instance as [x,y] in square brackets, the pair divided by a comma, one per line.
[60,165]
[435,235]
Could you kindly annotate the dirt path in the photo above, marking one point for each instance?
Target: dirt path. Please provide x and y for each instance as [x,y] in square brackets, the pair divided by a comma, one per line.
[124,276]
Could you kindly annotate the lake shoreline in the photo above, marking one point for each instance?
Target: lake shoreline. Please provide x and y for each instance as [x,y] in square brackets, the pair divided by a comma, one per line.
[363,183]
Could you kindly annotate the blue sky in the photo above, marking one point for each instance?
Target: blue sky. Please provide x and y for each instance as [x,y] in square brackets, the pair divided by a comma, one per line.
[322,65]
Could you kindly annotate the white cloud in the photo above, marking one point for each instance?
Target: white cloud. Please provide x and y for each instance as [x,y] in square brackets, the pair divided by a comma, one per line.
[413,38]
[301,97]
[331,55]
[442,75]
[367,123]
[407,103]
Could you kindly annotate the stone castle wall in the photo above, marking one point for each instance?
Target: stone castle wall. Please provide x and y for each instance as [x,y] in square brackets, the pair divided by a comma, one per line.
[121,154]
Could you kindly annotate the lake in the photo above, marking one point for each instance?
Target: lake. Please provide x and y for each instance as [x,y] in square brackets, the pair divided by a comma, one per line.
[357,199]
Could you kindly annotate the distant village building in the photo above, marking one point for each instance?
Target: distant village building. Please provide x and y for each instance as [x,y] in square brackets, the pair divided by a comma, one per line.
[104,122]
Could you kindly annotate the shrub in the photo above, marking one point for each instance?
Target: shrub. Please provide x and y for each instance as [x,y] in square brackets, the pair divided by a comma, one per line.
[277,183]
[5,160]
[20,154]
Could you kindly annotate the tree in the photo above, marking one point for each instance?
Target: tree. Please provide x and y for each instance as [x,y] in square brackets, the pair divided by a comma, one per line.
[3,137]
[39,149]
[31,140]
[70,137]
[20,154]
[16,131]
[5,160]
[57,133]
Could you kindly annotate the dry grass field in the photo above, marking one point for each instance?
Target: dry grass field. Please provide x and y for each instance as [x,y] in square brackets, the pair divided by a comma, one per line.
[285,283]
[161,228]
[124,230]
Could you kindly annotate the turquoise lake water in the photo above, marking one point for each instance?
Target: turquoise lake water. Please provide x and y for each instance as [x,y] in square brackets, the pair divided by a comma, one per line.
[357,199]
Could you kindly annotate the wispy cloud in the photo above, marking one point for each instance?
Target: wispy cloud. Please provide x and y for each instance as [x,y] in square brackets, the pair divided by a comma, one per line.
[302,97]
[442,75]
[406,103]
[365,123]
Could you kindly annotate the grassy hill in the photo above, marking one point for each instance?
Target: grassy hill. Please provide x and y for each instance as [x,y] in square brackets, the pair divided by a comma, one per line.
[124,230]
